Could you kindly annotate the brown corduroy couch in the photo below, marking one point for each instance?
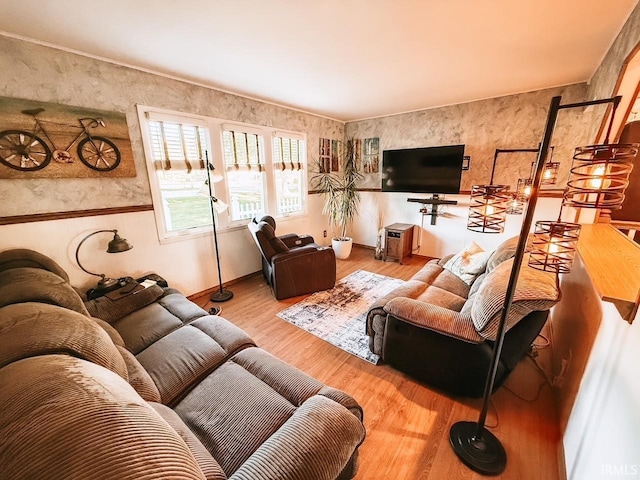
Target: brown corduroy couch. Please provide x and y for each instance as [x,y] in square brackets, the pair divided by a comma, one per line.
[441,329]
[149,387]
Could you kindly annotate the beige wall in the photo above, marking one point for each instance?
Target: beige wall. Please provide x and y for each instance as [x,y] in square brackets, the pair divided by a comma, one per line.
[513,121]
[40,73]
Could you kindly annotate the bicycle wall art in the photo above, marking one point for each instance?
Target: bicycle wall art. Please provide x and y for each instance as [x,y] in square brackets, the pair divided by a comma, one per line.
[48,140]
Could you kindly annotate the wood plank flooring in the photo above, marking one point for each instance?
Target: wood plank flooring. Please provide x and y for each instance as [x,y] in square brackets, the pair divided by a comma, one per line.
[407,422]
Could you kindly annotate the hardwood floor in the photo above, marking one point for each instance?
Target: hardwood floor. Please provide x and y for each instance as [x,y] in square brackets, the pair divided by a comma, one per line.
[407,422]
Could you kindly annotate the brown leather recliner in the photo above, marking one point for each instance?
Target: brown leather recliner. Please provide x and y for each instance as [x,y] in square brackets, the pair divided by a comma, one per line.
[292,264]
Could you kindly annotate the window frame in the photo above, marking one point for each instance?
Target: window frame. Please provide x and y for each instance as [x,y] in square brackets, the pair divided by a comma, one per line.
[215,128]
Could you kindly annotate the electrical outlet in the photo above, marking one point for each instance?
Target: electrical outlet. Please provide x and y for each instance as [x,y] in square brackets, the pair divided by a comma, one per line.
[324,234]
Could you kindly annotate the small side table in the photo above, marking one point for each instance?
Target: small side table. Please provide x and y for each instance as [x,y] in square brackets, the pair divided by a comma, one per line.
[398,241]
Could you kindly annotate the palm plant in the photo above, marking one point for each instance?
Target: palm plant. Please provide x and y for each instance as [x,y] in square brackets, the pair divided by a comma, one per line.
[340,191]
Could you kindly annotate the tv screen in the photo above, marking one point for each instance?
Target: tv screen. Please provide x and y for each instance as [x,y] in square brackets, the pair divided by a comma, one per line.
[423,170]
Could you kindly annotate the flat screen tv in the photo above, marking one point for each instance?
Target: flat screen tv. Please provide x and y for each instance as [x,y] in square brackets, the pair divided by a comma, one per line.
[423,170]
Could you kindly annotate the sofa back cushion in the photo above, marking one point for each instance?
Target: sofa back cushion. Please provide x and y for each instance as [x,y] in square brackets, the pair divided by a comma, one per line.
[63,417]
[29,284]
[266,239]
[33,329]
[23,257]
[505,251]
[535,291]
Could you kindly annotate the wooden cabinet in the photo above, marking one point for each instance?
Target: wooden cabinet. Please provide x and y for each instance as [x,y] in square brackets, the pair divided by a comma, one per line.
[398,241]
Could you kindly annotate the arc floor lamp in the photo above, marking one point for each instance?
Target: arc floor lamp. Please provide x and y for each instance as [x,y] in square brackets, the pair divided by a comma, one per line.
[599,175]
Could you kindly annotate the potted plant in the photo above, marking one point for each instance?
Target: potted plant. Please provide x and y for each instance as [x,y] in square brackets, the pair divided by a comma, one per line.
[341,197]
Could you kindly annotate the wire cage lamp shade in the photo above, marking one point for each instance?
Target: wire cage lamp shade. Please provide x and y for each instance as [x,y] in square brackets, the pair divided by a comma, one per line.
[599,176]
[488,208]
[550,173]
[515,205]
[554,246]
[524,188]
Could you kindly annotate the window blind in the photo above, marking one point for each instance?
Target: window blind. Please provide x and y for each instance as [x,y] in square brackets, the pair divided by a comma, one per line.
[177,145]
[242,150]
[287,153]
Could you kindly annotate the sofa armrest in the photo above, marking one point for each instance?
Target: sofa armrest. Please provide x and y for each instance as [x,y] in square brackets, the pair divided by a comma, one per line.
[112,310]
[303,270]
[316,443]
[293,240]
[444,259]
[433,317]
[301,251]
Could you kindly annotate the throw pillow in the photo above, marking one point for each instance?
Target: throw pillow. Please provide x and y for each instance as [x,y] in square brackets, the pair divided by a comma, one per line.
[469,263]
[535,291]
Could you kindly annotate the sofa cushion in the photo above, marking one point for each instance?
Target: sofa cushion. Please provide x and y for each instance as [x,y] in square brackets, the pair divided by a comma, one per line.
[468,263]
[28,284]
[255,392]
[210,468]
[23,257]
[428,273]
[33,329]
[63,417]
[505,251]
[442,298]
[535,291]
[139,378]
[180,359]
[112,332]
[452,283]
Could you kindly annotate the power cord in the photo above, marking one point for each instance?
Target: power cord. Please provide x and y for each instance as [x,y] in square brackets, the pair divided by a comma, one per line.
[495,412]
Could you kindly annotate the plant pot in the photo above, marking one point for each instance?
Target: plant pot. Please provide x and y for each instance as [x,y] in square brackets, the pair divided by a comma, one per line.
[342,247]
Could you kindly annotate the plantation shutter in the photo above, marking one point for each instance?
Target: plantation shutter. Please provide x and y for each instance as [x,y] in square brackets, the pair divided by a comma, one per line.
[177,145]
[287,152]
[242,149]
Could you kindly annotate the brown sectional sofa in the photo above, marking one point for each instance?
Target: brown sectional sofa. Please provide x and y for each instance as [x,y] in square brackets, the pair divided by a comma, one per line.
[441,330]
[151,386]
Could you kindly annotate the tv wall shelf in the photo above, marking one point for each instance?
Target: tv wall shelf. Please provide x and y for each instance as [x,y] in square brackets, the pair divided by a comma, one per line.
[434,202]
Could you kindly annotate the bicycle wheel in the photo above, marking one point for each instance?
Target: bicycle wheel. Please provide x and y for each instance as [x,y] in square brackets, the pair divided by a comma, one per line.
[99,153]
[24,151]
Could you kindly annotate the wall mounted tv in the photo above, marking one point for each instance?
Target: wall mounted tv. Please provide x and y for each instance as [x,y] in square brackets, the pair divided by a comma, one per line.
[423,170]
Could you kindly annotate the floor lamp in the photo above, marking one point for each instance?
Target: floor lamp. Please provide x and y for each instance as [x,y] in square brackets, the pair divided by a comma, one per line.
[598,177]
[222,294]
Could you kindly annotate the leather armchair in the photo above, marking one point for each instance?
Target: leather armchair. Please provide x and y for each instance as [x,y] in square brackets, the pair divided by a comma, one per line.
[292,264]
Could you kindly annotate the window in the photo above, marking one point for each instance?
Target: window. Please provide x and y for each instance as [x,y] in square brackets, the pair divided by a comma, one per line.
[288,163]
[244,160]
[262,170]
[178,152]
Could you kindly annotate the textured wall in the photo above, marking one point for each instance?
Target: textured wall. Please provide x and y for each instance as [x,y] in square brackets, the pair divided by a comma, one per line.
[514,121]
[40,73]
[604,81]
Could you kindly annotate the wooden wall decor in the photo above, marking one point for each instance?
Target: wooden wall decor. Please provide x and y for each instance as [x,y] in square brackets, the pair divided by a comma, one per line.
[48,140]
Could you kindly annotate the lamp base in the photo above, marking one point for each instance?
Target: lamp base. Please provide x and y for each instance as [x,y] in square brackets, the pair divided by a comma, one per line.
[484,454]
[221,295]
[107,283]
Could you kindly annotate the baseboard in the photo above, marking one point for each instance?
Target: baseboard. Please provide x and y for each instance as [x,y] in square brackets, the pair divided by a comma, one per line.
[209,291]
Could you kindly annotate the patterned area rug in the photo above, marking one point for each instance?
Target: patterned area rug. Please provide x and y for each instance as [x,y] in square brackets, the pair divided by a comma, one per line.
[338,315]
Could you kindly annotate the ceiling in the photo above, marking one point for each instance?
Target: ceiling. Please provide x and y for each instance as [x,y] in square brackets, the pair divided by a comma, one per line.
[342,59]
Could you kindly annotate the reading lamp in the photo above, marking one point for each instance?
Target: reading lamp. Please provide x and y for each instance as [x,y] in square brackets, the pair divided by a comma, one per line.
[116,245]
[599,176]
[216,205]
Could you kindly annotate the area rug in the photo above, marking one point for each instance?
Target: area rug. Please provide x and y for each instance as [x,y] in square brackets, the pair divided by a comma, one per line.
[338,315]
